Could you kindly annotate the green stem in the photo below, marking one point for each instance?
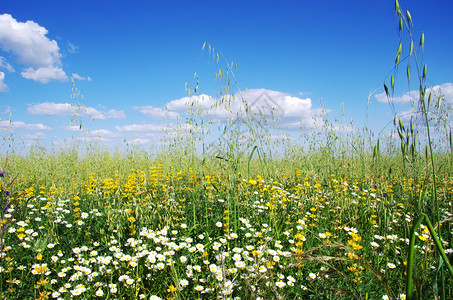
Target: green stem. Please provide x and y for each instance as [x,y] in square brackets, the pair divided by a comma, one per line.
[410,259]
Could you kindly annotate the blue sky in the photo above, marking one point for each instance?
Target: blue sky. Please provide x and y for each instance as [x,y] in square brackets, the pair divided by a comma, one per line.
[131,60]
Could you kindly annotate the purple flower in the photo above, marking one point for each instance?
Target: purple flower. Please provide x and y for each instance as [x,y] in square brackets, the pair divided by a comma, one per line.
[2,174]
[7,192]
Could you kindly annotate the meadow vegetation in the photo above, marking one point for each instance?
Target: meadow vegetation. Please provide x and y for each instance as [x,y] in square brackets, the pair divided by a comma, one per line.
[345,215]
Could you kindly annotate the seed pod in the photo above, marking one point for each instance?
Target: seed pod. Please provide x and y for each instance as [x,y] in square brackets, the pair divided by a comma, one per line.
[397,7]
[408,16]
[386,90]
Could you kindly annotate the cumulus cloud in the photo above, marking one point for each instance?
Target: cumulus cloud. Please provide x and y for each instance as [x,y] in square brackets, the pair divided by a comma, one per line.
[21,125]
[28,42]
[3,86]
[156,112]
[66,109]
[202,101]
[445,89]
[261,104]
[78,77]
[115,114]
[44,74]
[52,109]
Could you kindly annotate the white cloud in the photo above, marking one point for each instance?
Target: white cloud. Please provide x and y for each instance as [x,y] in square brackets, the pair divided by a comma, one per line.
[52,109]
[27,41]
[44,74]
[263,105]
[140,128]
[3,86]
[343,128]
[281,137]
[148,129]
[73,128]
[99,135]
[5,65]
[78,77]
[445,89]
[115,114]
[103,133]
[406,115]
[21,125]
[65,109]
[35,136]
[405,98]
[156,112]
[201,102]
[139,142]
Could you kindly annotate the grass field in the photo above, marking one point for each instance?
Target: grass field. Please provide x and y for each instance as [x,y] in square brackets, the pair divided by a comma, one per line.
[113,227]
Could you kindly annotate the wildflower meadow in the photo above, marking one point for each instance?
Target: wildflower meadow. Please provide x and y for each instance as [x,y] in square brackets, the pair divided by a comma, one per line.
[340,216]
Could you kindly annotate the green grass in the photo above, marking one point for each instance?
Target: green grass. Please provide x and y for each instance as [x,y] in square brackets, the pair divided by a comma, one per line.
[143,227]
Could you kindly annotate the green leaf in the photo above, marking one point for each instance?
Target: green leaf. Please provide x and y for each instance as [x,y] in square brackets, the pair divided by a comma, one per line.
[400,26]
[424,72]
[204,45]
[392,83]
[422,41]
[408,73]
[408,16]
[411,49]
